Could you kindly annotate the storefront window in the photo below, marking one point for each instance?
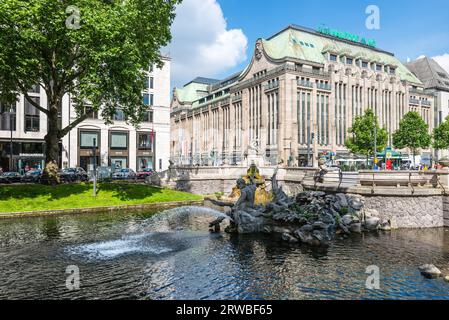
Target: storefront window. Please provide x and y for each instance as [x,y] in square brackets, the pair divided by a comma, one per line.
[144,163]
[145,141]
[119,141]
[119,163]
[32,147]
[87,139]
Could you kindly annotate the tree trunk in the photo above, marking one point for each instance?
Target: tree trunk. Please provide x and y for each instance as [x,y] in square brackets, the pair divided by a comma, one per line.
[51,172]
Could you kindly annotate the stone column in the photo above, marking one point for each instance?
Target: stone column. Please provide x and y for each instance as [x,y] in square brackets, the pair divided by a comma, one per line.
[294,116]
[245,120]
[288,116]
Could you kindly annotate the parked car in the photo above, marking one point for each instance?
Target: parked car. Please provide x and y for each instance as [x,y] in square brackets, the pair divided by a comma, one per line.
[33,176]
[144,173]
[73,175]
[10,177]
[124,174]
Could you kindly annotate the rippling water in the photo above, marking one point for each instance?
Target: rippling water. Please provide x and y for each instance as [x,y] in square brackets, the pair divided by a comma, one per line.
[173,256]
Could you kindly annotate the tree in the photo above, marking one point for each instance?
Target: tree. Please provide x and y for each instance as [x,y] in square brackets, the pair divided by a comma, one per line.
[362,140]
[413,133]
[96,52]
[441,136]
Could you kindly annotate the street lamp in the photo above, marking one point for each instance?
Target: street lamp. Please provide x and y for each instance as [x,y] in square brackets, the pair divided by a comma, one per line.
[375,143]
[11,116]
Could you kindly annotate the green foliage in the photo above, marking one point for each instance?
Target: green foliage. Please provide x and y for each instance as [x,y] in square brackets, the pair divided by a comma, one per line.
[219,195]
[362,139]
[344,211]
[441,136]
[101,62]
[413,133]
[26,198]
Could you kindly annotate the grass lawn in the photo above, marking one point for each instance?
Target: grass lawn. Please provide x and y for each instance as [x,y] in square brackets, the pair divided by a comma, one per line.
[26,198]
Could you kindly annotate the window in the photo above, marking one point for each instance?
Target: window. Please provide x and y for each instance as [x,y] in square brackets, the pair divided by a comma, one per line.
[349,61]
[151,83]
[32,147]
[145,141]
[148,99]
[119,163]
[378,67]
[333,57]
[118,140]
[87,139]
[91,113]
[146,83]
[148,116]
[392,70]
[35,89]
[145,163]
[365,64]
[119,115]
[32,116]
[7,120]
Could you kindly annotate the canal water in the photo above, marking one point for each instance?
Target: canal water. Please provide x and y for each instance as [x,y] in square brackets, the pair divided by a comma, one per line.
[171,255]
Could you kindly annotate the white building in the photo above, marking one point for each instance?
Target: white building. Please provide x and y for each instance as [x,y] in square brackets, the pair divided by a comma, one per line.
[120,145]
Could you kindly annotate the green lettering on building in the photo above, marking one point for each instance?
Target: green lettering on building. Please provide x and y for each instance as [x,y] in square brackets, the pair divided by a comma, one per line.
[346,36]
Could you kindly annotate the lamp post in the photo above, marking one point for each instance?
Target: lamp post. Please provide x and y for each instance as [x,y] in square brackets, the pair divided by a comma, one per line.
[94,152]
[11,115]
[375,142]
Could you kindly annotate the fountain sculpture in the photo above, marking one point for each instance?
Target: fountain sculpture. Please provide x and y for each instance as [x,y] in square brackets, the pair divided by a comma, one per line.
[313,218]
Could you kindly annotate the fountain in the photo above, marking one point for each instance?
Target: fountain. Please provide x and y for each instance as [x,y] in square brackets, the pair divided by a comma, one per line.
[313,218]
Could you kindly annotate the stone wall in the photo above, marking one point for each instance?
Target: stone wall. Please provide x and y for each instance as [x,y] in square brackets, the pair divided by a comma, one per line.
[409,212]
[446,210]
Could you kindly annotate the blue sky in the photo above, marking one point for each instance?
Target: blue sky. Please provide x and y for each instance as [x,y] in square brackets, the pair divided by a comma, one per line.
[408,28]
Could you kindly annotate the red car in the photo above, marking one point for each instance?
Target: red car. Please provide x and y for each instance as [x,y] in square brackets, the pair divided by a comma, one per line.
[145,173]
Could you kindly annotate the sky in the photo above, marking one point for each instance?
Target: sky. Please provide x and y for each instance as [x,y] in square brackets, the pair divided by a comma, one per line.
[215,38]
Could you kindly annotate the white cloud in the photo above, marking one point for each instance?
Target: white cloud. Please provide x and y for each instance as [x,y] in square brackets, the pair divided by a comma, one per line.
[202,45]
[443,61]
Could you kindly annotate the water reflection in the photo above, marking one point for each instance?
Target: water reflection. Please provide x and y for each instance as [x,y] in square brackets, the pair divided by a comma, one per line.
[173,256]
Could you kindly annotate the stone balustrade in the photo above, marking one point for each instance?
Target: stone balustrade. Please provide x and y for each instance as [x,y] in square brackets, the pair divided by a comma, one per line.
[431,179]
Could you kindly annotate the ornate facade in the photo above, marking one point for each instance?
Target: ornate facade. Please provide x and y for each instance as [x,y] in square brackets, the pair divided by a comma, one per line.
[294,102]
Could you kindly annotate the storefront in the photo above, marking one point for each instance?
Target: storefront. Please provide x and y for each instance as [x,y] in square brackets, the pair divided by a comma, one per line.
[87,140]
[119,149]
[145,151]
[26,156]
